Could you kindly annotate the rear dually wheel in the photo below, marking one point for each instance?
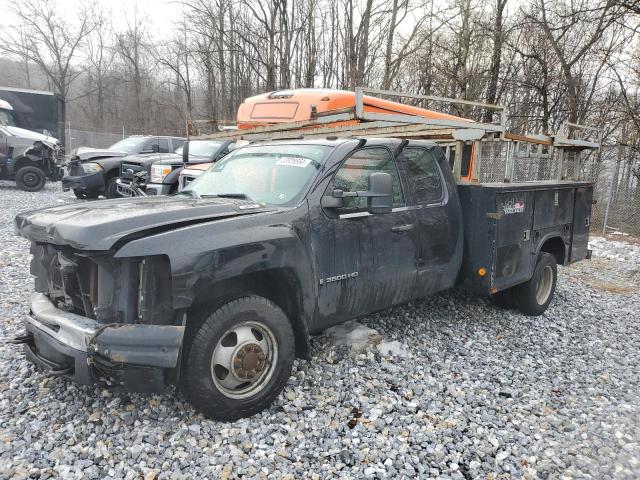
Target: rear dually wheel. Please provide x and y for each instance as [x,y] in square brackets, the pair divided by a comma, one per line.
[534,296]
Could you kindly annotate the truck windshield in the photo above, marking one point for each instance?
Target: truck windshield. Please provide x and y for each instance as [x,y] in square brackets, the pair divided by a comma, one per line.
[129,145]
[271,174]
[6,118]
[201,148]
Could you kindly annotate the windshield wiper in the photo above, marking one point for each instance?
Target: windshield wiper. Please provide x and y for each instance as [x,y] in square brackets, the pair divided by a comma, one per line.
[242,196]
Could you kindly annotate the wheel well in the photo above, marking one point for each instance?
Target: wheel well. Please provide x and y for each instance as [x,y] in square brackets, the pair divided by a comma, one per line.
[280,285]
[556,247]
[109,174]
[26,162]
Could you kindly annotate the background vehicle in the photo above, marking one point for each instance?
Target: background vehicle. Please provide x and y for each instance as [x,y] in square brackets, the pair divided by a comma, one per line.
[94,172]
[35,110]
[29,158]
[190,173]
[158,174]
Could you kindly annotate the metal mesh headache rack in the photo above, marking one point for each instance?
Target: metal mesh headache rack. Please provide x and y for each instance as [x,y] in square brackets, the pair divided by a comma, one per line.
[478,151]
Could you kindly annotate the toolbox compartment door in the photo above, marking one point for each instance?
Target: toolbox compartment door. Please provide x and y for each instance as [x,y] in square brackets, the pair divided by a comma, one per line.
[581,223]
[514,239]
[554,207]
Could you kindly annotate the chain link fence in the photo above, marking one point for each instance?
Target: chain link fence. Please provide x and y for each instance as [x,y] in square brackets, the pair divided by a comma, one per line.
[614,171]
[617,188]
[82,138]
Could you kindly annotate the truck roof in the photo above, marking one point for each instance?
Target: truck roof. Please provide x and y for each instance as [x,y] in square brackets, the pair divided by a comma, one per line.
[333,141]
[156,136]
[24,90]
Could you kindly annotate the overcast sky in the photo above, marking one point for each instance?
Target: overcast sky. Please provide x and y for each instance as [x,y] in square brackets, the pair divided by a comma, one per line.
[161,13]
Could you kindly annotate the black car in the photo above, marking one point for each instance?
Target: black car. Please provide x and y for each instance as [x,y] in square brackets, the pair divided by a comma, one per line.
[158,174]
[93,172]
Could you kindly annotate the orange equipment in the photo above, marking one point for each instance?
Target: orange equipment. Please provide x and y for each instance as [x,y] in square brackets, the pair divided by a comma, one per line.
[286,106]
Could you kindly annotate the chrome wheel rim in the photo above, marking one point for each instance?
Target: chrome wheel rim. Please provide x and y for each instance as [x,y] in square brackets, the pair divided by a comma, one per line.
[244,359]
[544,285]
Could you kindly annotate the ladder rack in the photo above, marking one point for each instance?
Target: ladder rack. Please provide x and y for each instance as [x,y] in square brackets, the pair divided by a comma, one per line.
[452,134]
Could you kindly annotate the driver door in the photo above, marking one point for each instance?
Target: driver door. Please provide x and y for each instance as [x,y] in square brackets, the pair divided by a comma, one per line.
[365,262]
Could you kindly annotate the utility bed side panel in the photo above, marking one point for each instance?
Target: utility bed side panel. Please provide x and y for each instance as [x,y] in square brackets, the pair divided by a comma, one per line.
[514,261]
[581,223]
[506,225]
[479,238]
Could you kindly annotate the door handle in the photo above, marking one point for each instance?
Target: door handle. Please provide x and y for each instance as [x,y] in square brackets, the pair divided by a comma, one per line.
[402,228]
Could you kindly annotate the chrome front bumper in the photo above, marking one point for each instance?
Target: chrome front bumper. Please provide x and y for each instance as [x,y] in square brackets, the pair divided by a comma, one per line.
[65,342]
[70,329]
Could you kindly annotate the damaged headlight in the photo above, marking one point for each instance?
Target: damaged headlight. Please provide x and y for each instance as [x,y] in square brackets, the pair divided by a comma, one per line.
[158,172]
[91,167]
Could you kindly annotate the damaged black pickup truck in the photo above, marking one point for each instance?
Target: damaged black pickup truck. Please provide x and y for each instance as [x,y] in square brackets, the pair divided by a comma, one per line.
[217,289]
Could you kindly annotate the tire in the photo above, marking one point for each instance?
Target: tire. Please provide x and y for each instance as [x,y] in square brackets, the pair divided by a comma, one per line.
[85,194]
[30,179]
[533,297]
[111,189]
[236,335]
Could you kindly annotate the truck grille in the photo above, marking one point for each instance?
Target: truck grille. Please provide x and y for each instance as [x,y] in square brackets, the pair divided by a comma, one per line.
[186,180]
[58,155]
[128,169]
[70,281]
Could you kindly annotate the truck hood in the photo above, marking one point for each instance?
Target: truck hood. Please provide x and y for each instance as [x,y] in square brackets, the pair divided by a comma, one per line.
[151,158]
[165,159]
[100,225]
[31,135]
[88,153]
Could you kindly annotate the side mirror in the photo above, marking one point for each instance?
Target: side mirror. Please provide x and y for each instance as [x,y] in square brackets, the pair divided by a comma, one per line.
[185,152]
[380,194]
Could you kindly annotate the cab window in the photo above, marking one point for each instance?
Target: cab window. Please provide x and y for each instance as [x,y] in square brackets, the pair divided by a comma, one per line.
[423,175]
[163,144]
[354,175]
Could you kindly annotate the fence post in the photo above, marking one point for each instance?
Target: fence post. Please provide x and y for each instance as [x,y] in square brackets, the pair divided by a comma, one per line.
[606,212]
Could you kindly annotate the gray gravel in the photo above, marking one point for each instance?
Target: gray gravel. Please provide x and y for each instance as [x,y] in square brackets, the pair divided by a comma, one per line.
[478,393]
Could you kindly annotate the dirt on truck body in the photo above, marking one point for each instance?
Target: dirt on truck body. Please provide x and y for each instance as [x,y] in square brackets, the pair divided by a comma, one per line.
[217,289]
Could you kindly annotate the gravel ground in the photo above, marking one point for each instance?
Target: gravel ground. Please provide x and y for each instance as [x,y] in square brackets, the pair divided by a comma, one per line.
[447,387]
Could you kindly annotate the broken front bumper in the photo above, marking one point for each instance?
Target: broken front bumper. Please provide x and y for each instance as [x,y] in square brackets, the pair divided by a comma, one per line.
[133,355]
[88,182]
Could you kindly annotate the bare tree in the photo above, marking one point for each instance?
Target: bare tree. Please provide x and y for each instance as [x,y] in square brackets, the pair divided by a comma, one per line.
[572,30]
[132,50]
[498,35]
[44,38]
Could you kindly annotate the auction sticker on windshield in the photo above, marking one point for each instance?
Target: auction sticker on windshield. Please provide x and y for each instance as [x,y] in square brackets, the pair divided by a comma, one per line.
[294,162]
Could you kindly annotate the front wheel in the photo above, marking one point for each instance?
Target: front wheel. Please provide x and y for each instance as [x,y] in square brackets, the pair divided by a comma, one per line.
[111,189]
[30,179]
[533,297]
[239,359]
